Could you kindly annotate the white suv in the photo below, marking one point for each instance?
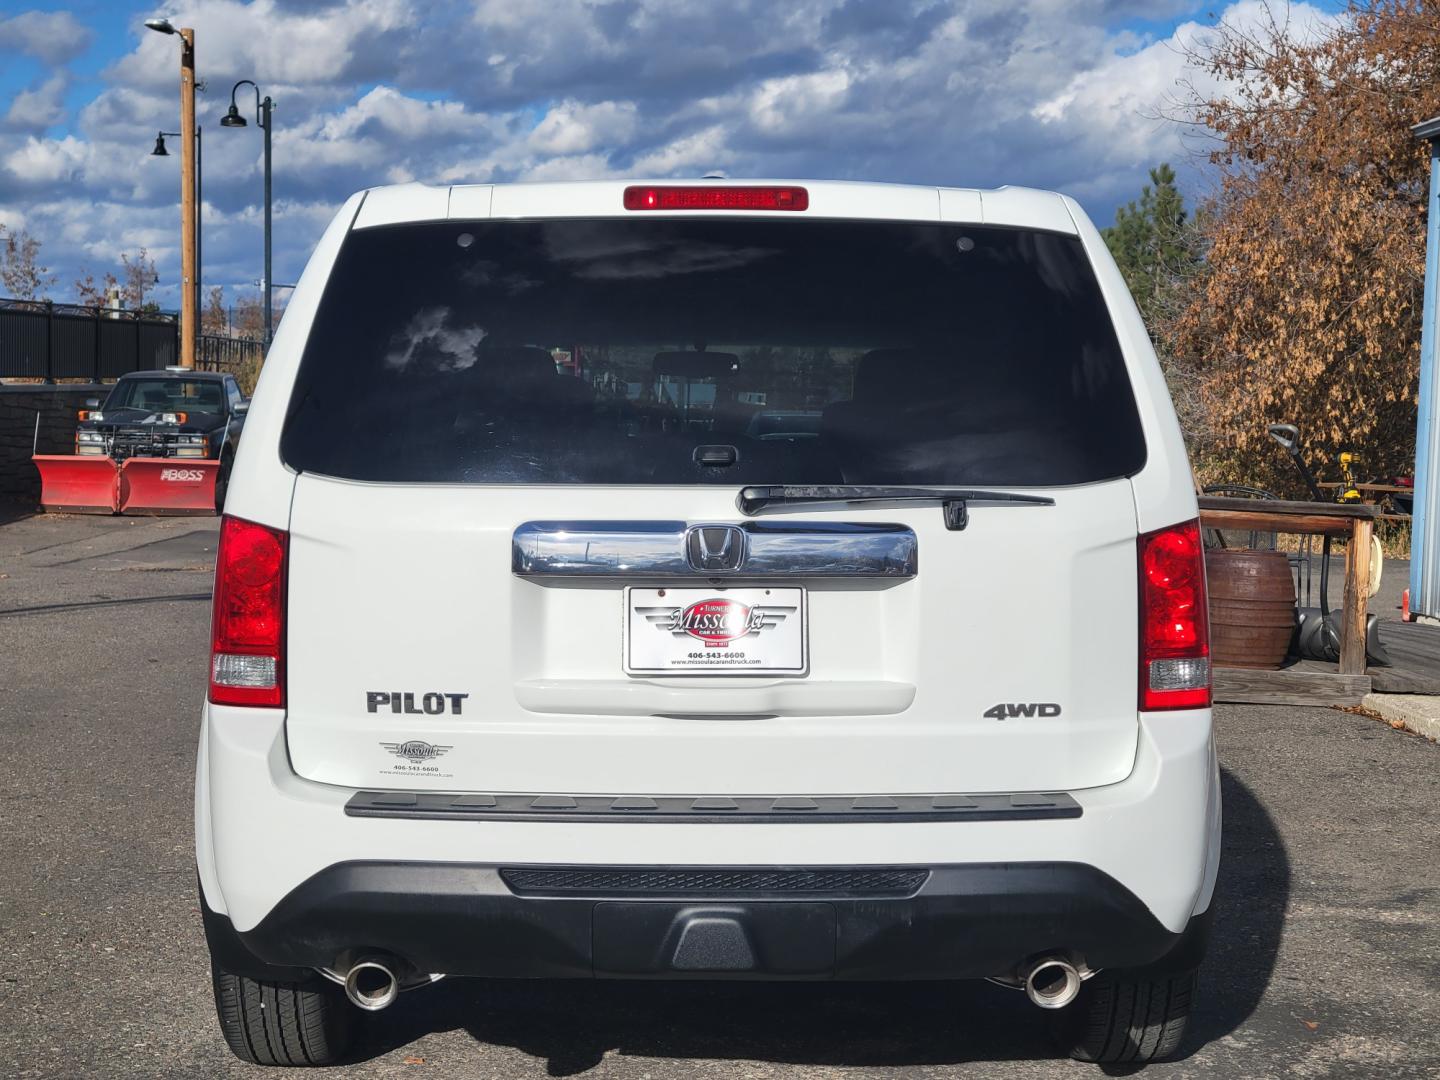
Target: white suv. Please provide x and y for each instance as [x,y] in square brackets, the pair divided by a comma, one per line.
[716,580]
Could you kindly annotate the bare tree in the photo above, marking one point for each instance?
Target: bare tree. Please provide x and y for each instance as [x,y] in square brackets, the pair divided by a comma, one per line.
[215,319]
[250,318]
[95,294]
[137,276]
[20,271]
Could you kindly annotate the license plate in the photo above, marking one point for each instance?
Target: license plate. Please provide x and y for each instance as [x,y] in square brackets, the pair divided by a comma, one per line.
[715,632]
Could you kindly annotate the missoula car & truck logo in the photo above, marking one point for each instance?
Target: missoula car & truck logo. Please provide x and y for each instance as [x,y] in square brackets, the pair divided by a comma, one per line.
[416,751]
[717,621]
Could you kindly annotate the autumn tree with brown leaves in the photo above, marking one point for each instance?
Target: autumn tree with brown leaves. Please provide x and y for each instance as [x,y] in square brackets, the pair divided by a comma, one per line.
[1309,311]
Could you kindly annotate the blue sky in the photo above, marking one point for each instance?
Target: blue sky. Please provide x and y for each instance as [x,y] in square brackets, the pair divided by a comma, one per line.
[1066,94]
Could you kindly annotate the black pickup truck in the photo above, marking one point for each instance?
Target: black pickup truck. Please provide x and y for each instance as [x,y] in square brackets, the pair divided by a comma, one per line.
[175,413]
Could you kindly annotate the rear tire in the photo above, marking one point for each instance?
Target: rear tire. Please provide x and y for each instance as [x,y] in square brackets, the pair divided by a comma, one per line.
[222,481]
[1135,1018]
[283,1023]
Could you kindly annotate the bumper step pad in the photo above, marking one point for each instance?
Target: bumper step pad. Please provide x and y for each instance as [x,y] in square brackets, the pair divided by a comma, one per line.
[748,809]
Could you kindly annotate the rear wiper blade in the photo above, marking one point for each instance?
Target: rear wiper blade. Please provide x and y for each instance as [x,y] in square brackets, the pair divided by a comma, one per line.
[955,500]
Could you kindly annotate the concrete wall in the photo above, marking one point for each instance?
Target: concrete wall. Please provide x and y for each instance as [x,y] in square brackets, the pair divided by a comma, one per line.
[56,407]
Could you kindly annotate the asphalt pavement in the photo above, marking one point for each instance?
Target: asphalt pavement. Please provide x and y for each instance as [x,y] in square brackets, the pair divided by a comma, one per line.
[1325,962]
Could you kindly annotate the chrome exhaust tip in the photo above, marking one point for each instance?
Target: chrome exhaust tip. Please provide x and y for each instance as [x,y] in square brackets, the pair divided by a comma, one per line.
[1052,982]
[370,984]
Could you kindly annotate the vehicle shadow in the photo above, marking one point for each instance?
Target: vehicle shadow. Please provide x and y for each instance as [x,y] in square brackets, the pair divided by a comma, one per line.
[572,1025]
[13,509]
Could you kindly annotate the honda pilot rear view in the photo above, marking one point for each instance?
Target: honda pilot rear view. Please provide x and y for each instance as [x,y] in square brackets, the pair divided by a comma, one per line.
[723,581]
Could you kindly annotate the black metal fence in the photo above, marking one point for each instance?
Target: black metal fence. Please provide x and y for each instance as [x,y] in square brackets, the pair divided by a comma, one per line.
[234,355]
[44,340]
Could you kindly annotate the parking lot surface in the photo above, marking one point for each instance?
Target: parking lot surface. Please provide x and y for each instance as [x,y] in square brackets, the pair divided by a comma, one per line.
[1325,961]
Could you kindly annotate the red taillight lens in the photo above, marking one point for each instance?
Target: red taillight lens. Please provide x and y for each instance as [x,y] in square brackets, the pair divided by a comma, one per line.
[1174,622]
[247,627]
[716,198]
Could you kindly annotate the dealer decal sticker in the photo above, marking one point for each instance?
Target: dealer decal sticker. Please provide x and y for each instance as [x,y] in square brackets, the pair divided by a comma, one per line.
[417,758]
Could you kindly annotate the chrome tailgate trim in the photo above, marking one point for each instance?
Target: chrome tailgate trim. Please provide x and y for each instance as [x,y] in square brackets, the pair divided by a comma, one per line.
[672,549]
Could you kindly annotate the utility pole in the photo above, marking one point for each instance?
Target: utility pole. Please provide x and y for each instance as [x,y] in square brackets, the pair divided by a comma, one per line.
[265,107]
[188,209]
[189,183]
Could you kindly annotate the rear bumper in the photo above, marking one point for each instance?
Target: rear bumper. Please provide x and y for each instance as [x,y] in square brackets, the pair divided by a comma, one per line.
[952,922]
[1138,862]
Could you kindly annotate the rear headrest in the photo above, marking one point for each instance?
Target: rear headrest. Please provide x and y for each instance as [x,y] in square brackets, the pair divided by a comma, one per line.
[885,374]
[514,363]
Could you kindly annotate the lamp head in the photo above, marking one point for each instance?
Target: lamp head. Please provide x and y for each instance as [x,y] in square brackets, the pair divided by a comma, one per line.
[159,150]
[233,119]
[162,26]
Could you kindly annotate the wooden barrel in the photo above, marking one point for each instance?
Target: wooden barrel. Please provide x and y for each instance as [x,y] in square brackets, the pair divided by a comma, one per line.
[1252,607]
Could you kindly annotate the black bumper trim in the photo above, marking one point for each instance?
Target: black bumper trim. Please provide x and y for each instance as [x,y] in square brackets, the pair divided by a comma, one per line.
[967,921]
[761,883]
[711,809]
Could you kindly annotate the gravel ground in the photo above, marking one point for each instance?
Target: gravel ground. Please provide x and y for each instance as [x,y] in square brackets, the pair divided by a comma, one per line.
[1324,964]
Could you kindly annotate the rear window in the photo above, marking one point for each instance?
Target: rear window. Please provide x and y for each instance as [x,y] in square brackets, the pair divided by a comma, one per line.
[609,351]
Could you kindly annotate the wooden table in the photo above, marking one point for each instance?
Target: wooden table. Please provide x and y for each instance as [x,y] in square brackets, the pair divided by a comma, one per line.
[1355,521]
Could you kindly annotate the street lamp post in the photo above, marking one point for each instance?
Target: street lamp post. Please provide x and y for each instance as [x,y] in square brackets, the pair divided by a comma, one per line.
[160,151]
[233,119]
[189,222]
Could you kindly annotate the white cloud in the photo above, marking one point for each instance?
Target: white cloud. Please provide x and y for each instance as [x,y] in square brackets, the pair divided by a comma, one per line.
[573,128]
[40,108]
[579,167]
[973,92]
[702,150]
[47,161]
[795,103]
[267,41]
[1122,102]
[52,36]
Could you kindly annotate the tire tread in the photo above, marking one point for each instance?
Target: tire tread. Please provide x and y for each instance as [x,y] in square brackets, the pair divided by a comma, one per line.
[1132,1020]
[282,1023]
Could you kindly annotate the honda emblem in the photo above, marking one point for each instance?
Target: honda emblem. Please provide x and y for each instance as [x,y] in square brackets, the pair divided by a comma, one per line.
[713,549]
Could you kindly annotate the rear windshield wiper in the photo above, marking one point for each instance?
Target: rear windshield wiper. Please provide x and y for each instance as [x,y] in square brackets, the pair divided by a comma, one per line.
[956,501]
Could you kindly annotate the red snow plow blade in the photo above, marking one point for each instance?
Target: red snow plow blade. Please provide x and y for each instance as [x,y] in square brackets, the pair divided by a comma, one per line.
[165,486]
[71,484]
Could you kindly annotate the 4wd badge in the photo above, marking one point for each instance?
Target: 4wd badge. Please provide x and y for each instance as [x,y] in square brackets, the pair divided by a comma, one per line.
[1012,710]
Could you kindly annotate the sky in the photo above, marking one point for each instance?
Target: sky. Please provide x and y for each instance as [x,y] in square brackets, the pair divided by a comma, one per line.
[1071,95]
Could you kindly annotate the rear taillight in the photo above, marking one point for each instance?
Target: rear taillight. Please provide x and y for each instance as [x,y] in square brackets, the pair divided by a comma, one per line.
[716,198]
[1174,624]
[247,629]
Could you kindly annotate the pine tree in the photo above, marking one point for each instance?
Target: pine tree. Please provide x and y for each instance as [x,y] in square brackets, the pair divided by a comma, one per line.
[1154,244]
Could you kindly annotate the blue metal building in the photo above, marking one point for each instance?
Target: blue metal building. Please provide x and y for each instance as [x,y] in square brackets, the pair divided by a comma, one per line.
[1425,534]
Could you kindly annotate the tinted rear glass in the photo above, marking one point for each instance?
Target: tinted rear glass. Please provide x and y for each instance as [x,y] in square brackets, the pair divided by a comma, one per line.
[608,351]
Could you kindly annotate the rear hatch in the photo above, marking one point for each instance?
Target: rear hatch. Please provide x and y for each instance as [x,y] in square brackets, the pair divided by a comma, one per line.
[519,557]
